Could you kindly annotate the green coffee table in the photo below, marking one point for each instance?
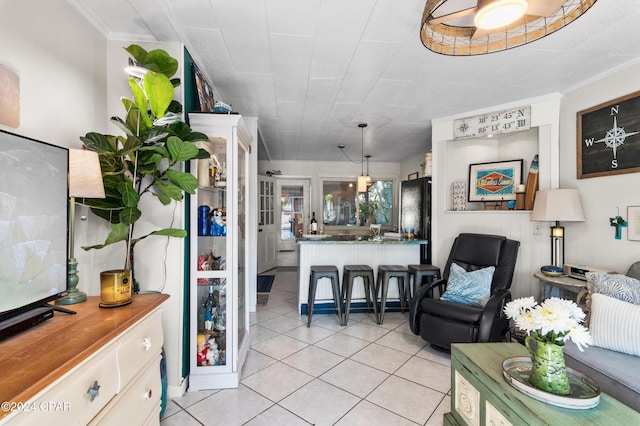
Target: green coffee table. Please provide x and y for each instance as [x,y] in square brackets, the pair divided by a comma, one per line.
[481,396]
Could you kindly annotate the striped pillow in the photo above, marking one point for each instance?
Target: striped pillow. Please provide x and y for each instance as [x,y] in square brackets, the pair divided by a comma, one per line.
[615,324]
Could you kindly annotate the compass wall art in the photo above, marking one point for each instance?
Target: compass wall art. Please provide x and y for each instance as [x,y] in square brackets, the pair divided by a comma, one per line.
[609,138]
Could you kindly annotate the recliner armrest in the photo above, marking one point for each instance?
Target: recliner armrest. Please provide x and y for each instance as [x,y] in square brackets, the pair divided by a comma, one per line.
[414,302]
[492,309]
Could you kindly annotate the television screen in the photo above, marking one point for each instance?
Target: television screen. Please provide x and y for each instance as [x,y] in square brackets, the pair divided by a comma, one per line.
[33,222]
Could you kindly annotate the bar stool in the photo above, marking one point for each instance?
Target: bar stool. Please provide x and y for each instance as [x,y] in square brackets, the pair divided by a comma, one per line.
[422,272]
[323,271]
[349,273]
[385,272]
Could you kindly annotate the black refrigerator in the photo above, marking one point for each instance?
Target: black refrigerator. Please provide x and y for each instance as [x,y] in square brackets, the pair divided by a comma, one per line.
[415,212]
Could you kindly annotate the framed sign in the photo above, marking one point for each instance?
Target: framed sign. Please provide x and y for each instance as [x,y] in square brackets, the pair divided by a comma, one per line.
[608,141]
[633,219]
[494,181]
[507,121]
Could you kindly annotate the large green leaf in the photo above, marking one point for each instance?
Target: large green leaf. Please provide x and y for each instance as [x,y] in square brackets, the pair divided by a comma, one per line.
[140,99]
[186,181]
[167,232]
[119,232]
[180,150]
[130,215]
[97,142]
[130,197]
[138,53]
[171,191]
[159,91]
[160,61]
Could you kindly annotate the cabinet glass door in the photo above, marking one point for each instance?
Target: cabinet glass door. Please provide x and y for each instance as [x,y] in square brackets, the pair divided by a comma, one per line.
[242,166]
[213,248]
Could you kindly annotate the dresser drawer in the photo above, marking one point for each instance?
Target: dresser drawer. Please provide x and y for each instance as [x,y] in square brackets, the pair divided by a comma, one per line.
[139,346]
[138,403]
[68,401]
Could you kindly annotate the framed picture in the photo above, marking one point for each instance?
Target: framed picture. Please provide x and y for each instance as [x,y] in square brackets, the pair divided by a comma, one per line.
[494,181]
[633,221]
[608,141]
[413,176]
[205,94]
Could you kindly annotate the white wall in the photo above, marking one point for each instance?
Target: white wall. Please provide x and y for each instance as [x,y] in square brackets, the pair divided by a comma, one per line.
[71,81]
[60,60]
[451,159]
[592,242]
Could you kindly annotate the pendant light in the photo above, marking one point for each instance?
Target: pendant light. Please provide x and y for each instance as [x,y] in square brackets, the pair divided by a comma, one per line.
[369,181]
[362,179]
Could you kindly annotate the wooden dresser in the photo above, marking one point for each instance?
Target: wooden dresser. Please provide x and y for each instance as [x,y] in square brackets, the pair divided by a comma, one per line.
[481,396]
[100,366]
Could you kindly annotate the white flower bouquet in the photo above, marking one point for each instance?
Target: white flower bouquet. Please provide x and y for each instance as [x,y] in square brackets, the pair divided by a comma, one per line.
[554,321]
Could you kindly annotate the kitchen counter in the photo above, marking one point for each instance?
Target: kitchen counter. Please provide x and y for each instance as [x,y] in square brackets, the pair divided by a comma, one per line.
[348,250]
[354,239]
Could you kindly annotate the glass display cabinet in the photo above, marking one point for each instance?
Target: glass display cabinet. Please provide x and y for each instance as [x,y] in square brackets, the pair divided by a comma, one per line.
[219,319]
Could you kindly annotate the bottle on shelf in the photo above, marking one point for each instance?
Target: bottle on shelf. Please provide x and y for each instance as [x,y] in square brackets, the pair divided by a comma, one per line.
[314,224]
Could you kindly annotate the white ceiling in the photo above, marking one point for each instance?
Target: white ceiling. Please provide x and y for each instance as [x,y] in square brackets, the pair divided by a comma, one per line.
[311,70]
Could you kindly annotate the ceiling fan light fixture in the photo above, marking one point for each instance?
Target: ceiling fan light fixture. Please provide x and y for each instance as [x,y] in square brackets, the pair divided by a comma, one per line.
[494,14]
[448,29]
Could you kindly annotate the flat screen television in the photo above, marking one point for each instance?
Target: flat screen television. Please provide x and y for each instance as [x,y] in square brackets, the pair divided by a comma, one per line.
[34,212]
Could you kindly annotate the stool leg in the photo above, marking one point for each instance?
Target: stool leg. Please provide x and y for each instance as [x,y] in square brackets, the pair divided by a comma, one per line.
[347,285]
[312,296]
[401,295]
[370,285]
[335,284]
[383,298]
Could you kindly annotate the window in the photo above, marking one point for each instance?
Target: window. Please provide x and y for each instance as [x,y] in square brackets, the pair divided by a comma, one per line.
[343,205]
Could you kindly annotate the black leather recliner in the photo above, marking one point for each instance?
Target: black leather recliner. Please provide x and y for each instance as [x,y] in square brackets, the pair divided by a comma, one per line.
[440,322]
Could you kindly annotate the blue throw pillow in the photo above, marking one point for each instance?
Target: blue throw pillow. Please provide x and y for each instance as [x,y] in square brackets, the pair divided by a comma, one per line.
[618,286]
[469,288]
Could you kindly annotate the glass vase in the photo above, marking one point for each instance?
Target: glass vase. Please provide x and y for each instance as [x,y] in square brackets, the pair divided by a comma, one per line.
[548,369]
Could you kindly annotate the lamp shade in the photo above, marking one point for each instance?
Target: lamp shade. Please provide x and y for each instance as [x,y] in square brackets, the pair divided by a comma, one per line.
[362,183]
[557,205]
[85,176]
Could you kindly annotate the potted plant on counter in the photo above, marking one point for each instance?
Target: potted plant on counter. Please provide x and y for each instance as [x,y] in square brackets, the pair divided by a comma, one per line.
[144,160]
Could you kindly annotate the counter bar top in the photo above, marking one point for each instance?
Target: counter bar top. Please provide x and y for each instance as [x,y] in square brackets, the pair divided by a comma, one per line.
[353,240]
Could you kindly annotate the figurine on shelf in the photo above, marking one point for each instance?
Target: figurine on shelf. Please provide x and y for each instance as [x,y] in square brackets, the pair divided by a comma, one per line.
[218,229]
[203,348]
[213,354]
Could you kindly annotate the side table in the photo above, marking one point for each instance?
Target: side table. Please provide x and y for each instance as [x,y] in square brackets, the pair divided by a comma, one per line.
[481,396]
[569,287]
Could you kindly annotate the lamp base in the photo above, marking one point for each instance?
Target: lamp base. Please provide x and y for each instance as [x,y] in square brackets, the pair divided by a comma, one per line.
[72,298]
[73,294]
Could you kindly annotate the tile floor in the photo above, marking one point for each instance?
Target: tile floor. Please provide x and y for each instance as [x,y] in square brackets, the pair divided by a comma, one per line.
[360,374]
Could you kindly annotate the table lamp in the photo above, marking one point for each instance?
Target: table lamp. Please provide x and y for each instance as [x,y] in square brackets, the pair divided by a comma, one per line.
[555,205]
[85,181]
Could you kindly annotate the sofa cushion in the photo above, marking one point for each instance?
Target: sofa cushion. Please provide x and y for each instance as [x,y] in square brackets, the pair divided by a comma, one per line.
[616,373]
[615,324]
[468,288]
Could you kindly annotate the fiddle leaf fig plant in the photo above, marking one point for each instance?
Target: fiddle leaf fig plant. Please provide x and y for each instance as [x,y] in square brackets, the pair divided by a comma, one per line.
[146,159]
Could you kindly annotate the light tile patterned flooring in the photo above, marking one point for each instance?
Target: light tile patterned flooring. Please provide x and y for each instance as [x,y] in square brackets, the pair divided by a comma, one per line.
[360,374]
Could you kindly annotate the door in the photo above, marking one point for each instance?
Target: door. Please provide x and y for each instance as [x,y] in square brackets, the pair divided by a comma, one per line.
[292,218]
[267,238]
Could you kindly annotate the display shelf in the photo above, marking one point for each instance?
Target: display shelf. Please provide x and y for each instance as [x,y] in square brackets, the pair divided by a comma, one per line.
[219,331]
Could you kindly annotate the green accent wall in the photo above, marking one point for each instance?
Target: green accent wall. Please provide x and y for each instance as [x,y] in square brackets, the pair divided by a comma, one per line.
[190,105]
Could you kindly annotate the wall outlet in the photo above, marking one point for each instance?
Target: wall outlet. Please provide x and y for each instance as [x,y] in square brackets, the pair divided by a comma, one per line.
[537,228]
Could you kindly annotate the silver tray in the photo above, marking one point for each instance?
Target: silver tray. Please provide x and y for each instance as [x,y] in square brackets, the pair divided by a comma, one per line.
[584,391]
